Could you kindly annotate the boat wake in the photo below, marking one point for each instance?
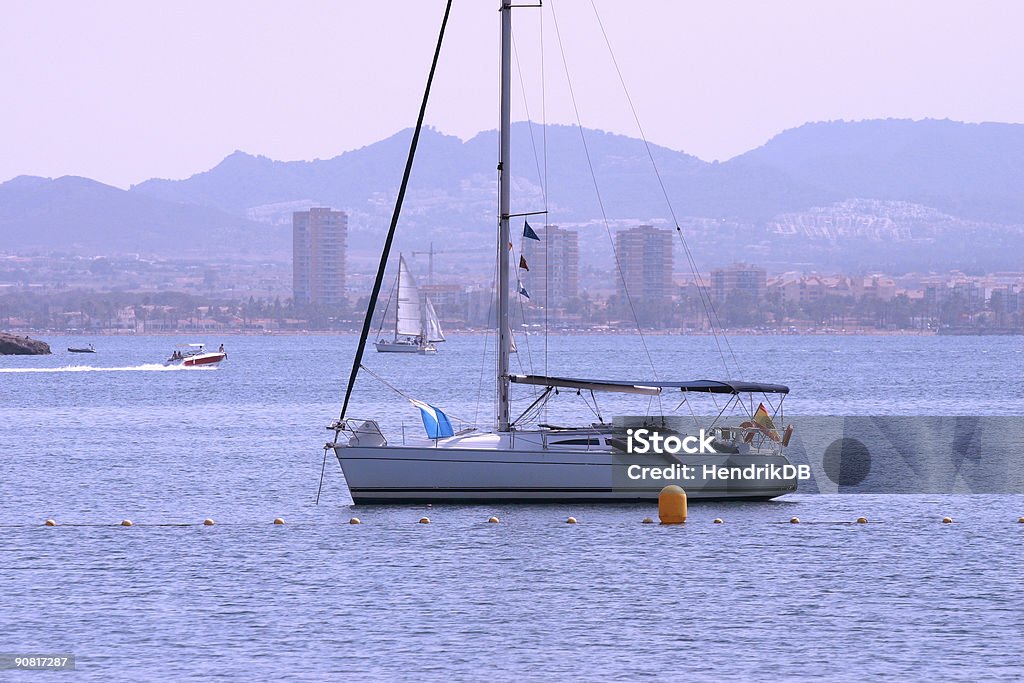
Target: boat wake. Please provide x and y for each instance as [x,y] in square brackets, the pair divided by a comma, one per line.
[148,367]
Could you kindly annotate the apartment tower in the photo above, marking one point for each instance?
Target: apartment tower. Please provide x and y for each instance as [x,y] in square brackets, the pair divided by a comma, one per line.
[318,256]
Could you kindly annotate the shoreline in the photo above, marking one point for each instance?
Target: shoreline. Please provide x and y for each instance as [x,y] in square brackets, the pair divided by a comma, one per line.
[810,332]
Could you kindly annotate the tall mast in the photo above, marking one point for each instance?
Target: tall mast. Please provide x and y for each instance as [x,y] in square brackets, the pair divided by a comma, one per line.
[504,178]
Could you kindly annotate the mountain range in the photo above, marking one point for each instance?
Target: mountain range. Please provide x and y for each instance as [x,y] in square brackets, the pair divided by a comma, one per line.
[882,193]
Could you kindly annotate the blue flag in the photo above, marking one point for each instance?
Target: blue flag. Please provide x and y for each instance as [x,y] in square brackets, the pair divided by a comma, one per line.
[436,423]
[528,232]
[522,290]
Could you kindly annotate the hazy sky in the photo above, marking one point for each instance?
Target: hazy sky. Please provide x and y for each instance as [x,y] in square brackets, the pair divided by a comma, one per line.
[125,90]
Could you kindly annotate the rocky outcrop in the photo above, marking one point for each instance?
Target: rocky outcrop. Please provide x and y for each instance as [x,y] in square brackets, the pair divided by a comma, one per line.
[11,345]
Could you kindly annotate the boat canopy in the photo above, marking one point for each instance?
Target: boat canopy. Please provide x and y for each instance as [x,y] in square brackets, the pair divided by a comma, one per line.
[706,386]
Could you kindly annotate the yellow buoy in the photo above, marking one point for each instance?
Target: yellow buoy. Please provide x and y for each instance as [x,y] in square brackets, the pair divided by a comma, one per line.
[50,522]
[208,522]
[126,522]
[424,520]
[278,520]
[647,520]
[672,505]
[862,520]
[355,520]
[571,520]
[718,520]
[947,520]
[794,520]
[1021,520]
[493,520]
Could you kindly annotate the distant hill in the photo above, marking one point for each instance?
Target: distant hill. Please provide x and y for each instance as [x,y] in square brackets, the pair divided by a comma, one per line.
[975,171]
[81,216]
[934,194]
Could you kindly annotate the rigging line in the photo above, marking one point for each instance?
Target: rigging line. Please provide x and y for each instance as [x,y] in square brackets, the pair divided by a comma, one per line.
[480,383]
[596,407]
[604,215]
[686,248]
[587,403]
[492,307]
[357,361]
[533,408]
[529,121]
[387,306]
[709,307]
[323,466]
[543,190]
[721,412]
[689,406]
[522,313]
[406,396]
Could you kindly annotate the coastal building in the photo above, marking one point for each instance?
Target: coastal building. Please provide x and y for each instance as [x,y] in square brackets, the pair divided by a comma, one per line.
[450,302]
[739,278]
[644,255]
[318,256]
[553,278]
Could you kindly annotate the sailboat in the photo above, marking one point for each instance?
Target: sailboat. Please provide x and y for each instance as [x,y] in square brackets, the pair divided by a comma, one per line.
[514,461]
[417,328]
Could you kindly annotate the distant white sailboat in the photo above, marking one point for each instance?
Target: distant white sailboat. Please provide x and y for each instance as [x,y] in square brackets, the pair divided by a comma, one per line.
[417,328]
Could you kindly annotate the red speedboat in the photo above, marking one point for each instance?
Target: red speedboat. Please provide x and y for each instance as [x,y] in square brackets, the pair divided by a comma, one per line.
[192,355]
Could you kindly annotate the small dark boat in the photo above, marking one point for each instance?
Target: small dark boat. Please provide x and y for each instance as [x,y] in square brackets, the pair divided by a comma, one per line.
[88,349]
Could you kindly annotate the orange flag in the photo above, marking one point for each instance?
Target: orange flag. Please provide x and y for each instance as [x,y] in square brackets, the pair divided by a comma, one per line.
[522,263]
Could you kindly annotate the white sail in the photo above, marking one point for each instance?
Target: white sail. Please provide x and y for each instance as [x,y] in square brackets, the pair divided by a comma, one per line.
[432,326]
[409,322]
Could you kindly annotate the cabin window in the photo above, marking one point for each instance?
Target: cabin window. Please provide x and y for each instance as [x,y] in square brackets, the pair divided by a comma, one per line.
[577,442]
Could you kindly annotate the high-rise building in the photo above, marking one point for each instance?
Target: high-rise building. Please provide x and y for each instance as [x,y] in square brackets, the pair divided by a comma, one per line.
[644,255]
[318,256]
[554,262]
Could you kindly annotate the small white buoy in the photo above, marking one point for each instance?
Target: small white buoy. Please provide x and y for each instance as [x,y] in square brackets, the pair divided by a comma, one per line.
[424,520]
[355,520]
[571,520]
[947,520]
[126,522]
[647,520]
[718,520]
[208,522]
[278,520]
[794,520]
[862,520]
[493,520]
[49,522]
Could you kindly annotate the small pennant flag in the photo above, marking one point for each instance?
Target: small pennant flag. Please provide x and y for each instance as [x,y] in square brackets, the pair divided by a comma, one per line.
[528,232]
[522,263]
[522,290]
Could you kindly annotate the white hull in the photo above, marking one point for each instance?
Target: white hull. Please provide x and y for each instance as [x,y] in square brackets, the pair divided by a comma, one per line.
[398,347]
[394,474]
[197,359]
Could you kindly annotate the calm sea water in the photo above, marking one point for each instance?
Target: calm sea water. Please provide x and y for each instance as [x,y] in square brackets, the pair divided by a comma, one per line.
[92,440]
